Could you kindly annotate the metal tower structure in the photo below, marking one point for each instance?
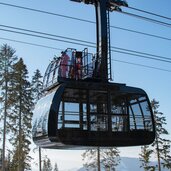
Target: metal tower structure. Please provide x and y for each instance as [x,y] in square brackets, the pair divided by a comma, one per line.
[103,60]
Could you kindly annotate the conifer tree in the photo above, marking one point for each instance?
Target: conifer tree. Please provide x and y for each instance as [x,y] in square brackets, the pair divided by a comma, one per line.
[90,159]
[166,158]
[44,166]
[109,159]
[161,144]
[160,147]
[145,156]
[37,86]
[56,167]
[21,116]
[7,59]
[47,166]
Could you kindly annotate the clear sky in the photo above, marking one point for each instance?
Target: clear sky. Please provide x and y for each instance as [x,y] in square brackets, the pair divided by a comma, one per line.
[157,83]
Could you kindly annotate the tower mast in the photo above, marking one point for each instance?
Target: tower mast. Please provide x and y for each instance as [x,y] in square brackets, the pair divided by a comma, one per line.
[102,7]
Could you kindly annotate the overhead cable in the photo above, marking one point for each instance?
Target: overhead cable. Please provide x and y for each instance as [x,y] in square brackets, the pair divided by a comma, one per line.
[49,47]
[147,19]
[93,45]
[45,12]
[151,13]
[83,20]
[33,44]
[43,33]
[141,53]
[146,66]
[142,33]
[45,37]
[79,40]
[142,56]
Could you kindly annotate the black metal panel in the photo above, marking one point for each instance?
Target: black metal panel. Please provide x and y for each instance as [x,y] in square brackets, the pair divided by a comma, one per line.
[45,116]
[88,139]
[52,126]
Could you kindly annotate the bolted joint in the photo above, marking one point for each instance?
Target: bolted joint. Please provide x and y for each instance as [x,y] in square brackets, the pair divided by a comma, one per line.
[76,0]
[115,5]
[85,1]
[118,3]
[112,3]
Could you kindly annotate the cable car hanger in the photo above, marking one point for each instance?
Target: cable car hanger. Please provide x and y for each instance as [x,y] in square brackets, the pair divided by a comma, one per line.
[81,107]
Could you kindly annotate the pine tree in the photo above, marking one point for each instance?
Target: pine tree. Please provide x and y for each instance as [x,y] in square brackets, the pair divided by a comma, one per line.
[21,116]
[166,158]
[44,166]
[90,159]
[47,166]
[7,59]
[56,167]
[108,159]
[160,147]
[145,156]
[160,144]
[37,87]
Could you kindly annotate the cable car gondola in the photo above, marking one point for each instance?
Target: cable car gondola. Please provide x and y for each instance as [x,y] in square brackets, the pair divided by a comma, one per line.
[89,112]
[80,107]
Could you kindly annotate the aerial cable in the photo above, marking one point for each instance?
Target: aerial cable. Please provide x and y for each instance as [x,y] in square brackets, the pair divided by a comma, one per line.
[142,56]
[146,66]
[45,12]
[33,44]
[43,33]
[93,45]
[45,37]
[127,50]
[146,19]
[142,33]
[151,13]
[55,14]
[142,53]
[49,47]
[50,13]
[87,42]
[120,28]
[83,20]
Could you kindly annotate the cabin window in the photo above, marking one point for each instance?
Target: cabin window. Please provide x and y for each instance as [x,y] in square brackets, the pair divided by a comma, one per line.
[140,117]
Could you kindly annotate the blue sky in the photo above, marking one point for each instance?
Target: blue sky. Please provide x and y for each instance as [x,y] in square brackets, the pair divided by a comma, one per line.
[156,83]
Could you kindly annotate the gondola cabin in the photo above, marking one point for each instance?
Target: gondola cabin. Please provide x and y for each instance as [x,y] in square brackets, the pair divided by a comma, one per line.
[79,110]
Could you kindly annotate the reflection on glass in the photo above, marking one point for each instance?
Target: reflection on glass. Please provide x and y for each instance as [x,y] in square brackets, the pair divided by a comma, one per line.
[71,119]
[41,114]
[140,116]
[98,122]
[93,108]
[119,123]
[85,127]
